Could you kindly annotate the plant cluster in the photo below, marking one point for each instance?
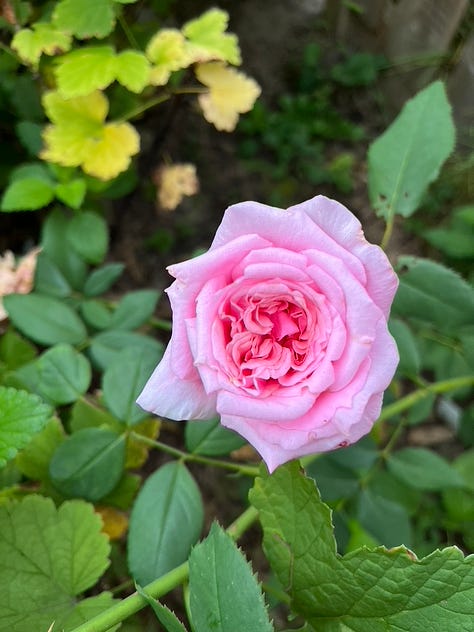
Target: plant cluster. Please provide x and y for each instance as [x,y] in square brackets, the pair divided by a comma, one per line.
[78,514]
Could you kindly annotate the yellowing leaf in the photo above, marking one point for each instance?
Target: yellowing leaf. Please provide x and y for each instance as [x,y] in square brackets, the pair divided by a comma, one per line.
[207,39]
[95,67]
[174,182]
[167,52]
[230,93]
[115,522]
[137,451]
[111,153]
[30,44]
[79,136]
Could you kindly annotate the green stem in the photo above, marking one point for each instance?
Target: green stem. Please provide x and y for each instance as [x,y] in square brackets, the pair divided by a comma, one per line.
[161,323]
[388,232]
[161,586]
[144,107]
[247,470]
[410,400]
[128,33]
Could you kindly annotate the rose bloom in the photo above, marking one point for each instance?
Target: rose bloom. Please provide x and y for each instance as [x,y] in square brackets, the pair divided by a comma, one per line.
[281,328]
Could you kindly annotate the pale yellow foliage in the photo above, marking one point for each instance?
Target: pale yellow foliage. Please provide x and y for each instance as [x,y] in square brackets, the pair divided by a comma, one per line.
[230,93]
[167,52]
[174,182]
[115,522]
[16,278]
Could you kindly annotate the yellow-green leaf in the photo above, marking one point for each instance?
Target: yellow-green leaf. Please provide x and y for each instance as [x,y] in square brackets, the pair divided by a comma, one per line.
[79,136]
[132,70]
[230,93]
[43,37]
[207,39]
[167,52]
[85,18]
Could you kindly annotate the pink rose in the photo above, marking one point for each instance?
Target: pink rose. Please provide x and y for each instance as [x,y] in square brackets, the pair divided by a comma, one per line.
[281,328]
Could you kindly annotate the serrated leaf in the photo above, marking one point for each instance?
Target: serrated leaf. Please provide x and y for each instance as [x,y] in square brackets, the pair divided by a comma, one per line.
[165,616]
[22,415]
[134,309]
[207,39]
[30,44]
[422,469]
[224,593]
[132,70]
[107,345]
[169,502]
[419,297]
[79,136]
[28,194]
[33,461]
[209,438]
[167,52]
[71,193]
[102,279]
[408,156]
[84,70]
[84,18]
[88,234]
[230,93]
[45,319]
[89,464]
[124,380]
[378,590]
[64,374]
[55,555]
[84,611]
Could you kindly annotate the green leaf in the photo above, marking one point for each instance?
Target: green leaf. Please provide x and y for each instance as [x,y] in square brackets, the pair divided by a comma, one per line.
[88,234]
[102,279]
[422,469]
[96,314]
[208,40]
[378,590]
[123,382]
[135,309]
[224,593]
[64,374]
[165,616]
[107,345]
[459,503]
[84,611]
[408,156]
[29,134]
[334,480]
[168,503]
[430,293]
[55,555]
[89,464]
[209,438]
[123,494]
[132,70]
[84,70]
[44,319]
[28,194]
[87,414]
[22,415]
[49,279]
[407,347]
[15,351]
[55,244]
[33,461]
[84,18]
[385,520]
[42,38]
[71,193]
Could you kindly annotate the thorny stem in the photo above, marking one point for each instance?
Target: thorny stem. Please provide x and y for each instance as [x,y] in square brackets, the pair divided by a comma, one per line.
[247,470]
[161,586]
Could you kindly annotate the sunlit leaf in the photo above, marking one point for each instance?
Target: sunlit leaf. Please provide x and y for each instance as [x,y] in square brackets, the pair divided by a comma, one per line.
[45,38]
[230,93]
[167,52]
[84,18]
[132,70]
[207,39]
[79,136]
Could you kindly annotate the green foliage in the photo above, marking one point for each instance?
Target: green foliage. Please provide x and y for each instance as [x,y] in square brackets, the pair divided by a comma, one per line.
[168,503]
[209,438]
[408,156]
[380,588]
[56,555]
[223,589]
